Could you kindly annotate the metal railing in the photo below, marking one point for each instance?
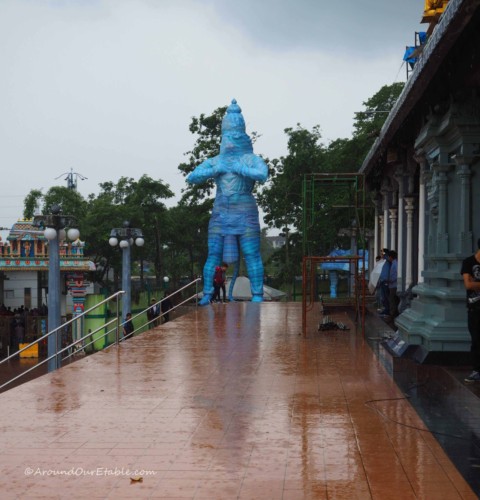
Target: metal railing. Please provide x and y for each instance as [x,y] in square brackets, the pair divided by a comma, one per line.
[162,314]
[79,345]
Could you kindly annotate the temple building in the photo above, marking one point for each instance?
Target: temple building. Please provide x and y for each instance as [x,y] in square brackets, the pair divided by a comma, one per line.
[423,173]
[24,268]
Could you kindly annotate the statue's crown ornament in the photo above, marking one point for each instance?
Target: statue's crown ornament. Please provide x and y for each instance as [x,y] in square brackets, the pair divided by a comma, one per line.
[233,120]
[235,141]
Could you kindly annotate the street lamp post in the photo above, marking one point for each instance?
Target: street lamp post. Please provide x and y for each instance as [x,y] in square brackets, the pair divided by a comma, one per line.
[166,279]
[125,237]
[54,225]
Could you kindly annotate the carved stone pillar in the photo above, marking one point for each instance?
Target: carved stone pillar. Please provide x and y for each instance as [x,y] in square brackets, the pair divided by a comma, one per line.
[421,220]
[400,180]
[386,204]
[386,225]
[442,227]
[377,229]
[409,209]
[381,233]
[432,197]
[393,228]
[465,236]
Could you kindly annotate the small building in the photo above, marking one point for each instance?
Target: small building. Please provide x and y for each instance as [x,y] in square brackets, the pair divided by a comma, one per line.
[24,268]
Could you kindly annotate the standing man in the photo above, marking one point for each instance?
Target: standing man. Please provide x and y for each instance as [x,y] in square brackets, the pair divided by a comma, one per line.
[392,283]
[471,279]
[383,283]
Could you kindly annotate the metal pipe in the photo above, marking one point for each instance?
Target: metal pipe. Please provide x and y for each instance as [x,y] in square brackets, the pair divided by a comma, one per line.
[126,281]
[54,292]
[117,333]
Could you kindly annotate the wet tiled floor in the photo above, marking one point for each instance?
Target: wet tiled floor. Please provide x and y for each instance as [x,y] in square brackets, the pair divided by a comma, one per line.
[227,402]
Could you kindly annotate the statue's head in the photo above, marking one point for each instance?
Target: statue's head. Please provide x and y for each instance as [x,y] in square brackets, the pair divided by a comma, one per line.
[234,138]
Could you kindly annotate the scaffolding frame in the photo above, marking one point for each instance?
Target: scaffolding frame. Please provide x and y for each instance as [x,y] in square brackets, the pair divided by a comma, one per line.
[356,297]
[353,184]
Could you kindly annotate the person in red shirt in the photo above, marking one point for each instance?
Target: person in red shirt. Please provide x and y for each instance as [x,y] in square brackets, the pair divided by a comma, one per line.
[219,279]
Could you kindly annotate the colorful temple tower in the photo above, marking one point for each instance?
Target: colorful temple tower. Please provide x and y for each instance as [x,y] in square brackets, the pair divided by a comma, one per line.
[24,268]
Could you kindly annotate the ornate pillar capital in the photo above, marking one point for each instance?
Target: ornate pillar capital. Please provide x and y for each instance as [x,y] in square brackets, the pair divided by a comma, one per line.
[409,204]
[441,169]
[393,214]
[463,163]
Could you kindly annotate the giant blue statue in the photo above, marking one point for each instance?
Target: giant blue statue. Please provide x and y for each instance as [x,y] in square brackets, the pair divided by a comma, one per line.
[234,225]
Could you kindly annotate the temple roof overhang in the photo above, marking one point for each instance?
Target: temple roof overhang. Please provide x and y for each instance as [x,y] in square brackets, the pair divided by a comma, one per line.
[453,21]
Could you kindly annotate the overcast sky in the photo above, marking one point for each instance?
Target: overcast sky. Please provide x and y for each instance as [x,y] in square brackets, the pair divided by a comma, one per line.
[108,87]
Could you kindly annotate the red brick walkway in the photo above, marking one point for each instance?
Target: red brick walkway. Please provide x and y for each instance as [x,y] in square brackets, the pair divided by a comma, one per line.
[227,402]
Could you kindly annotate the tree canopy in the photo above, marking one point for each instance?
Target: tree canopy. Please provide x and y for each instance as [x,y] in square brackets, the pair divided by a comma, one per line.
[208,130]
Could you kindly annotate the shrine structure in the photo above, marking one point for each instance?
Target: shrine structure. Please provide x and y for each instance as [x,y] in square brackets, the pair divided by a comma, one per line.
[24,263]
[423,174]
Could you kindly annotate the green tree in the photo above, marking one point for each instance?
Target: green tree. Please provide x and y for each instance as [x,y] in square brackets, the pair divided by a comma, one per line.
[186,239]
[368,123]
[208,130]
[138,202]
[282,198]
[32,201]
[101,217]
[344,155]
[70,201]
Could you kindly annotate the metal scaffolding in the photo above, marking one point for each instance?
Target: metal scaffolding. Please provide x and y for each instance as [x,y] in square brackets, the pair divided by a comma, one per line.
[350,194]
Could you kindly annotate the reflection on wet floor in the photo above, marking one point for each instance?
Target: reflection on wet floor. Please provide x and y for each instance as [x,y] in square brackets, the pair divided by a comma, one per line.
[457,436]
[229,401]
[16,366]
[449,408]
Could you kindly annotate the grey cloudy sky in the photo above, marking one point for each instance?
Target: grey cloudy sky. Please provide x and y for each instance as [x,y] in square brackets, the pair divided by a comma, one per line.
[108,87]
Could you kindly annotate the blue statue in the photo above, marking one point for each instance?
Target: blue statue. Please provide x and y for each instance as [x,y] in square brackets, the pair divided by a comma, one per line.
[234,224]
[335,266]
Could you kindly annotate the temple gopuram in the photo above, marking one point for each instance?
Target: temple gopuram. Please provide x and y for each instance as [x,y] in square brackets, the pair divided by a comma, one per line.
[24,267]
